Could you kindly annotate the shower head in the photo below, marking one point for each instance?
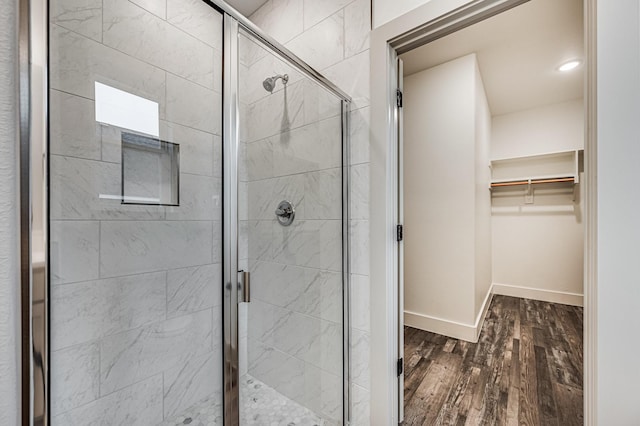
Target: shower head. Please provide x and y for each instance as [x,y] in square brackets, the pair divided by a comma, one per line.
[269,83]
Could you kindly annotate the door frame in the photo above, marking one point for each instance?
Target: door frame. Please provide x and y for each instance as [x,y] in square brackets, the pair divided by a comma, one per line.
[424,24]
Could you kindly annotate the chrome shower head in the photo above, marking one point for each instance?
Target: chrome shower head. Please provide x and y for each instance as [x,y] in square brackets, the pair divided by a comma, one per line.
[269,83]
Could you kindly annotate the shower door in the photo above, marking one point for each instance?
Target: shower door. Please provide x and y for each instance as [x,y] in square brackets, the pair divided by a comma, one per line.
[291,236]
[180,294]
[135,123]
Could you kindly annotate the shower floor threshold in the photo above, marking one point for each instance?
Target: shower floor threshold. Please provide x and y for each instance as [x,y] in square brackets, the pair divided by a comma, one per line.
[262,405]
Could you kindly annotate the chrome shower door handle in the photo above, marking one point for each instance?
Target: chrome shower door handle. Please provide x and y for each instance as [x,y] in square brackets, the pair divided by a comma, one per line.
[245,286]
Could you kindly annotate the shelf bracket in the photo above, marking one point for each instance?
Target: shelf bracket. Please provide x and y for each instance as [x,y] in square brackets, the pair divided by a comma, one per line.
[528,195]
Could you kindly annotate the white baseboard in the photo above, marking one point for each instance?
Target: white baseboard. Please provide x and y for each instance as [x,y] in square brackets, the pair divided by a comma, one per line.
[552,296]
[454,329]
[483,313]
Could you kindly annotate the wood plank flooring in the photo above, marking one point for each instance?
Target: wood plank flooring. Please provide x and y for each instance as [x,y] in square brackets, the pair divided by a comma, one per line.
[526,369]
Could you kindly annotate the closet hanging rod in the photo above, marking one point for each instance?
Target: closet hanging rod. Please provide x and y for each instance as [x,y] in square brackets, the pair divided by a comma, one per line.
[532,181]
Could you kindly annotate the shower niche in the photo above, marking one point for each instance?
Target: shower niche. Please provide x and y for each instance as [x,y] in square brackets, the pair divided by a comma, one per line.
[150,171]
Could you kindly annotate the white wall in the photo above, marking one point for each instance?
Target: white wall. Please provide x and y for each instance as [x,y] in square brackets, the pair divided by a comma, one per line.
[550,128]
[9,259]
[539,246]
[618,302]
[483,253]
[446,199]
[386,10]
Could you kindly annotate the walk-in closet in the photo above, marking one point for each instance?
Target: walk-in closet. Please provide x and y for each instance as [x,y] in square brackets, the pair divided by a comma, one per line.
[491,162]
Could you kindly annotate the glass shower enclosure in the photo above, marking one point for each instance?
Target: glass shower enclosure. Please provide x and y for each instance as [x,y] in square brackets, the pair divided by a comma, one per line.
[198,218]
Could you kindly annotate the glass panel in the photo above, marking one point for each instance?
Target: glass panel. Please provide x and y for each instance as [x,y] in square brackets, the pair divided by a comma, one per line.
[135,289]
[290,220]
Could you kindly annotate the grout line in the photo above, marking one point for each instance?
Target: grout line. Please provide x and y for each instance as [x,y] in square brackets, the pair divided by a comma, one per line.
[137,274]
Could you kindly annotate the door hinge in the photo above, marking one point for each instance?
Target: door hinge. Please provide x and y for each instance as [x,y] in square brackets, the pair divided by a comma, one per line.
[399,98]
[399,232]
[400,366]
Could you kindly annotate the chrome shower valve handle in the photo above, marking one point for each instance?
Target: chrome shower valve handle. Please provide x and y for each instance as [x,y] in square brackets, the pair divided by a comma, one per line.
[285,212]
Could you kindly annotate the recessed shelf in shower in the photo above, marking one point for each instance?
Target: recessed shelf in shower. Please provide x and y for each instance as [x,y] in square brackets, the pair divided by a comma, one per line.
[150,171]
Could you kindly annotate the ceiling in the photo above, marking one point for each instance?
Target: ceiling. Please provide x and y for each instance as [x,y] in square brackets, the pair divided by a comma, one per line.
[246,7]
[518,53]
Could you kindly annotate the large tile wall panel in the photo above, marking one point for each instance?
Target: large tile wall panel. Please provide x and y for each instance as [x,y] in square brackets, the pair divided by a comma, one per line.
[310,148]
[136,32]
[283,372]
[317,45]
[292,151]
[73,131]
[129,357]
[86,189]
[359,195]
[77,62]
[75,377]
[193,289]
[317,11]
[74,248]
[324,297]
[319,103]
[360,312]
[136,247]
[276,114]
[312,243]
[158,8]
[351,73]
[193,105]
[323,194]
[265,65]
[200,199]
[195,380]
[360,136]
[83,312]
[81,16]
[281,19]
[136,296]
[198,19]
[140,405]
[200,152]
[356,33]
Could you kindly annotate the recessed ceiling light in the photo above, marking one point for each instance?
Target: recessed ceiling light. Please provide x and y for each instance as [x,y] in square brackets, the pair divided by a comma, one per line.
[569,65]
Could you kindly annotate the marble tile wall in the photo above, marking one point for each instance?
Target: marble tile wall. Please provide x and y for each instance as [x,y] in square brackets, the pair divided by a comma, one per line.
[291,150]
[333,36]
[136,290]
[295,157]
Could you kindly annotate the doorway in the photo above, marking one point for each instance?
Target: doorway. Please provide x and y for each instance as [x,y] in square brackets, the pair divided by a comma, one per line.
[491,260]
[390,41]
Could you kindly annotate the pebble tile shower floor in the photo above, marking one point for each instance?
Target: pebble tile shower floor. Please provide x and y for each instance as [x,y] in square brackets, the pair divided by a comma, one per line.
[263,406]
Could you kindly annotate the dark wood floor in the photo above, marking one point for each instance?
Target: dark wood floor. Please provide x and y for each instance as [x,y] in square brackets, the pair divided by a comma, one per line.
[526,369]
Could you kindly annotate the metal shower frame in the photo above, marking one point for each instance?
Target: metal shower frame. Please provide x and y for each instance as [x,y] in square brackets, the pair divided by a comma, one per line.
[34,287]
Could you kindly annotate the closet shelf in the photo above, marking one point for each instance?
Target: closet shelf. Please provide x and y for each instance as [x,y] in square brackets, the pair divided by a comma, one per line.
[497,183]
[556,167]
